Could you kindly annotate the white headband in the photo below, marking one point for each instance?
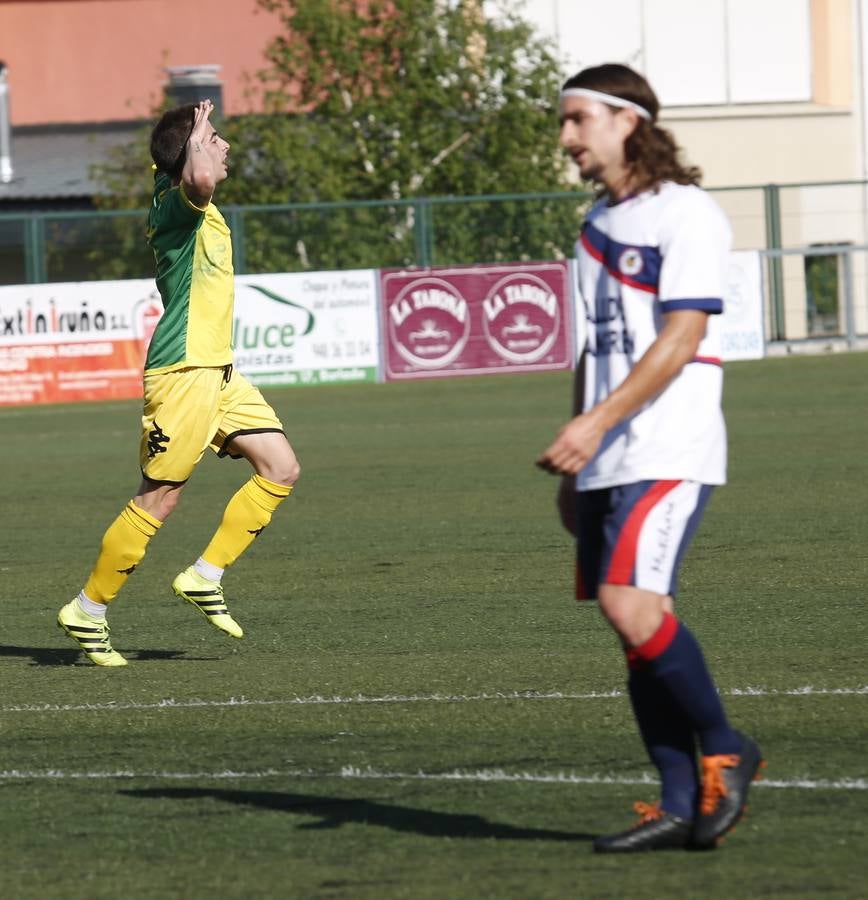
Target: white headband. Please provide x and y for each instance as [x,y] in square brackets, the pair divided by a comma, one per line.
[608,99]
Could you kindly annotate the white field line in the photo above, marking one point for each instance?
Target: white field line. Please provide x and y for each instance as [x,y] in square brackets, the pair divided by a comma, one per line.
[371,774]
[320,700]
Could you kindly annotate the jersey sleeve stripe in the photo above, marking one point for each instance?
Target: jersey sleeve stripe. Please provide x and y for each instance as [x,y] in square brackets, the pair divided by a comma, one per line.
[712,305]
[189,202]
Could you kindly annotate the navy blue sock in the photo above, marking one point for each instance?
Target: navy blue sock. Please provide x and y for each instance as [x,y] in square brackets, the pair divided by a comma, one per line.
[669,740]
[673,655]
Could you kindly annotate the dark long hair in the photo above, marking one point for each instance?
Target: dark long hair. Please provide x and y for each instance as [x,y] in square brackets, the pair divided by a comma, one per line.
[169,139]
[651,152]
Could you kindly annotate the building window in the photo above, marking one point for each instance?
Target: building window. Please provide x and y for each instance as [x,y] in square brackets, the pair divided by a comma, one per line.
[713,52]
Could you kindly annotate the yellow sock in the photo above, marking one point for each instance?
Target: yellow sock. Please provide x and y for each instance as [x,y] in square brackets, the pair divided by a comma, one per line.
[123,547]
[246,514]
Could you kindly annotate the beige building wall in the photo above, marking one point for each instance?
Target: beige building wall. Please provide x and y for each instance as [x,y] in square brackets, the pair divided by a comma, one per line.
[769,145]
[791,144]
[833,27]
[807,123]
[758,147]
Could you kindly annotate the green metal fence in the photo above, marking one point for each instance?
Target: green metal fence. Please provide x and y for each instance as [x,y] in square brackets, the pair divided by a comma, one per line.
[38,247]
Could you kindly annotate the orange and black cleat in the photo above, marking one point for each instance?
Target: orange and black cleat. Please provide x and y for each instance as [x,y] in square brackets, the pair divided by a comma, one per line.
[726,780]
[655,830]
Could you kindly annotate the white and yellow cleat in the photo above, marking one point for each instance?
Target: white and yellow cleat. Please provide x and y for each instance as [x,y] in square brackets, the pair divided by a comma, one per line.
[91,635]
[207,597]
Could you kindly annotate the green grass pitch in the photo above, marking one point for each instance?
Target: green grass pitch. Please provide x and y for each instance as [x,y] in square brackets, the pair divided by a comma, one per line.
[418,708]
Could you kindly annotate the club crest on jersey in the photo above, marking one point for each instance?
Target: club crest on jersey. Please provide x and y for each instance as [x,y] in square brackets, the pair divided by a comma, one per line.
[630,262]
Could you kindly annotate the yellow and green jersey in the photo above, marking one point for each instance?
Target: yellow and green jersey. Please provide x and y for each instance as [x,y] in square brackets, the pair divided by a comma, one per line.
[193,253]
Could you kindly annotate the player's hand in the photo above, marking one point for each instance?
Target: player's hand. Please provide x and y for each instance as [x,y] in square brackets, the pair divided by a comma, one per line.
[574,447]
[200,121]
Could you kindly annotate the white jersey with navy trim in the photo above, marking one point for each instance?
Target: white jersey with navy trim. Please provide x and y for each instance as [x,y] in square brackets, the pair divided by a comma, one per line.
[638,259]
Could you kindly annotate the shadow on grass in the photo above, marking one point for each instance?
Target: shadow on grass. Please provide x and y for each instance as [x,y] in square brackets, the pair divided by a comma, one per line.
[336,811]
[54,656]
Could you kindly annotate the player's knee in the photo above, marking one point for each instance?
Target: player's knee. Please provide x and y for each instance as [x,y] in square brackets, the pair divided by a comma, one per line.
[284,471]
[633,613]
[170,501]
[164,507]
[292,473]
[619,617]
[623,613]
[160,501]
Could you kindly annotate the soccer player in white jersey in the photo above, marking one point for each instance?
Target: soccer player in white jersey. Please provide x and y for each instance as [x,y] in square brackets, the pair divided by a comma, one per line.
[648,442]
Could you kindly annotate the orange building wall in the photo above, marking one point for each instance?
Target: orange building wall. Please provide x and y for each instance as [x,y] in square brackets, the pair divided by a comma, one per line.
[102,60]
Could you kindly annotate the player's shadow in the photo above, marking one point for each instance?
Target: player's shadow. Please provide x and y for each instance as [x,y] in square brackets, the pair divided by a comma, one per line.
[336,811]
[56,656]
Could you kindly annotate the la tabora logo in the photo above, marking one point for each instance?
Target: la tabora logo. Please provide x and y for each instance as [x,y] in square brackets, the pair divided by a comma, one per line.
[521,317]
[429,323]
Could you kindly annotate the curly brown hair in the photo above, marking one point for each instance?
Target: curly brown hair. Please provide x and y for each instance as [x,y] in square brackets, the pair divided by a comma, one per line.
[169,139]
[651,152]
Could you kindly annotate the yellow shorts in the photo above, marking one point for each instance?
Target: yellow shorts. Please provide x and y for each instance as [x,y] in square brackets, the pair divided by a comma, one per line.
[188,410]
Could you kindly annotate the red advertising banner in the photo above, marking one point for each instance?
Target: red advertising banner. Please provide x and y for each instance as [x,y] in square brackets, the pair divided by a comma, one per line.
[75,341]
[472,320]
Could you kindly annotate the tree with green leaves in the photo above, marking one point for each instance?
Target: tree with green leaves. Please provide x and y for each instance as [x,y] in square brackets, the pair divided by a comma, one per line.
[395,101]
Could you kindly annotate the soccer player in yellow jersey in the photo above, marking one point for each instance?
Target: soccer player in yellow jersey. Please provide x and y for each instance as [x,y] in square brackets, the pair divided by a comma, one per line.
[193,399]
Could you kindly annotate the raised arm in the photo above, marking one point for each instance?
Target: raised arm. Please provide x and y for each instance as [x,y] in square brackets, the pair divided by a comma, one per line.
[200,175]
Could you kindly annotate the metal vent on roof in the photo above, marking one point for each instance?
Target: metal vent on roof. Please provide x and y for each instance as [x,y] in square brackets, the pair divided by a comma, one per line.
[191,84]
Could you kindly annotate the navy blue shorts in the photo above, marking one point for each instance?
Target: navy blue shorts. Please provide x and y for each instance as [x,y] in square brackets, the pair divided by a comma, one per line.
[636,534]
